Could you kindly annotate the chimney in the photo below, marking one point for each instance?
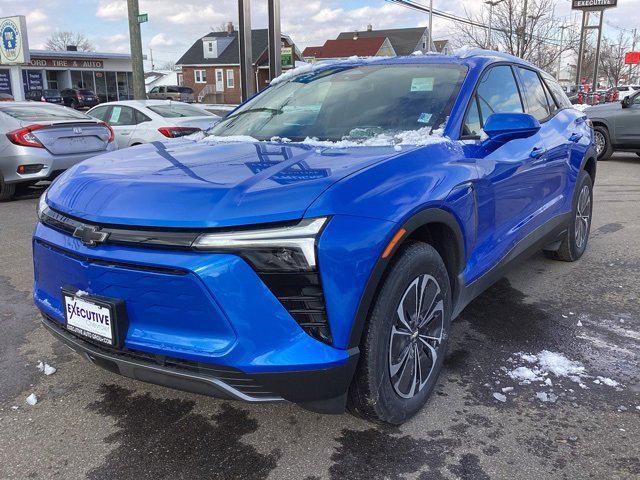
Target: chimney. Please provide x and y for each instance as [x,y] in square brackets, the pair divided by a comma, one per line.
[230,28]
[356,35]
[72,48]
[369,28]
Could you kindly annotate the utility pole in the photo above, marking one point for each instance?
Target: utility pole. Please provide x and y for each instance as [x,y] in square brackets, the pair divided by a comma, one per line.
[246,55]
[275,40]
[633,49]
[430,25]
[595,70]
[136,51]
[583,29]
[562,29]
[489,44]
[153,67]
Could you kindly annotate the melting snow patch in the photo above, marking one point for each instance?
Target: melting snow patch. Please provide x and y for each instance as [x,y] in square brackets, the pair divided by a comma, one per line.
[500,397]
[546,397]
[46,368]
[32,399]
[81,293]
[525,375]
[559,365]
[579,324]
[607,381]
[507,389]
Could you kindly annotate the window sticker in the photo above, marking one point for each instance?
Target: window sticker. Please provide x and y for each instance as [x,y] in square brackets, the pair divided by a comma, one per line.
[422,84]
[115,114]
[424,118]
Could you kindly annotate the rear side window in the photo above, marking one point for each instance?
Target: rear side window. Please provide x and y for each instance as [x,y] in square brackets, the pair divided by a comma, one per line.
[99,112]
[558,93]
[537,103]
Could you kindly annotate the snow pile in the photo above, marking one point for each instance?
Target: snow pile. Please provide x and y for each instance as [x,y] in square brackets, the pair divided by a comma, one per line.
[525,375]
[546,397]
[500,397]
[32,399]
[81,293]
[46,368]
[559,365]
[229,139]
[420,137]
[607,381]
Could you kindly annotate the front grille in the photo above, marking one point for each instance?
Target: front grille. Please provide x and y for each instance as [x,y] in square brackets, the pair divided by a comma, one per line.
[301,294]
[231,376]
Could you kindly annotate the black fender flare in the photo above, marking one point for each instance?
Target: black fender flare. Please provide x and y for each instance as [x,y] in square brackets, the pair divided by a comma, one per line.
[377,275]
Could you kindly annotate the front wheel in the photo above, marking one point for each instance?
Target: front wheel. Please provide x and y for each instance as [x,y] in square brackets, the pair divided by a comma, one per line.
[575,240]
[405,338]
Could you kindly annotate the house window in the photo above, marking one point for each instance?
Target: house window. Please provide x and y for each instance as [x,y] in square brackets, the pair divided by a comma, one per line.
[200,76]
[230,79]
[211,46]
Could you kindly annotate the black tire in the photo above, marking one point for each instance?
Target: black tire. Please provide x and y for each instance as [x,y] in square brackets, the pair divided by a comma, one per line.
[374,392]
[607,149]
[7,190]
[74,104]
[570,248]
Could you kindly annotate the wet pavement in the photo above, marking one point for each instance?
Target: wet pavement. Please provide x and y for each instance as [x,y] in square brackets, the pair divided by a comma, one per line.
[89,423]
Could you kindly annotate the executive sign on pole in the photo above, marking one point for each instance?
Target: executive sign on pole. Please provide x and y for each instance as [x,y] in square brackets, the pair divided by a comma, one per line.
[593,4]
[14,43]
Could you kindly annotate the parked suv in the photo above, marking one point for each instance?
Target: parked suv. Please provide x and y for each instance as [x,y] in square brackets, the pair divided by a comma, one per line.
[79,98]
[47,95]
[317,245]
[172,92]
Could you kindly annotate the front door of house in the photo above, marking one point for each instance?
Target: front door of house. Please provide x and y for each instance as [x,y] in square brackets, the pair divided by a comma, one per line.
[219,80]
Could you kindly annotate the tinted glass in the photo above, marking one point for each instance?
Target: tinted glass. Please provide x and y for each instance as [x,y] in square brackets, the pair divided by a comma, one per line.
[121,116]
[172,90]
[85,92]
[185,90]
[558,93]
[99,113]
[473,125]
[176,110]
[534,93]
[141,117]
[350,102]
[42,111]
[498,92]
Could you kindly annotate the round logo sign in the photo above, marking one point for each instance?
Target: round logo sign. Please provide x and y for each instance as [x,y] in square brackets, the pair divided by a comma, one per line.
[10,45]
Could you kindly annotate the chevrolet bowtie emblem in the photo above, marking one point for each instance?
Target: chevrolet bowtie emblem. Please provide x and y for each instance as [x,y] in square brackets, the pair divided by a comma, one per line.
[90,235]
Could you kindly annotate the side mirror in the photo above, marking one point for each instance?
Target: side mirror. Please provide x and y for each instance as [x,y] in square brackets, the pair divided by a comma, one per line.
[626,102]
[504,127]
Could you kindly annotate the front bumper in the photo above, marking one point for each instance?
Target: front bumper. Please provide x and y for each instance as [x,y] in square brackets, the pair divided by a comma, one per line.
[190,316]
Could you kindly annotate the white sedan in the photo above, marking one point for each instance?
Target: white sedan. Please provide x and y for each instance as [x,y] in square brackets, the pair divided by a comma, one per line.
[143,121]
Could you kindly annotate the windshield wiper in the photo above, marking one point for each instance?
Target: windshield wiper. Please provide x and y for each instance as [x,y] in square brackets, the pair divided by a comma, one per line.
[275,111]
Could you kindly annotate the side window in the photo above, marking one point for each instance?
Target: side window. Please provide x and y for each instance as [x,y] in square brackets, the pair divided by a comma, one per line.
[551,103]
[534,93]
[558,93]
[121,116]
[99,112]
[155,90]
[141,117]
[497,92]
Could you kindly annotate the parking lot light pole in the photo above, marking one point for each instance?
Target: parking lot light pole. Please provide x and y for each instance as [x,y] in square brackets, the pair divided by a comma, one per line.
[275,40]
[491,5]
[135,41]
[246,54]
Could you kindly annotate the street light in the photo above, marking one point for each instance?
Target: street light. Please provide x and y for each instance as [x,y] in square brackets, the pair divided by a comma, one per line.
[491,3]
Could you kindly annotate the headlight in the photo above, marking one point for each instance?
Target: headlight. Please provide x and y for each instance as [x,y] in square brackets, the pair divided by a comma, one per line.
[42,204]
[289,248]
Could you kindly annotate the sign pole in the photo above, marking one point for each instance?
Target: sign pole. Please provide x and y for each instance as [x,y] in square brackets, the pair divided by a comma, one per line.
[581,48]
[595,70]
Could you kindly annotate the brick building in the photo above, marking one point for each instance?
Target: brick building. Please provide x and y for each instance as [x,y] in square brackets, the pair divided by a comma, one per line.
[212,65]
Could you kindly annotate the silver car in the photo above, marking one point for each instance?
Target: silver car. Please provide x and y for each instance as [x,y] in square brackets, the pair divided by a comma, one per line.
[40,140]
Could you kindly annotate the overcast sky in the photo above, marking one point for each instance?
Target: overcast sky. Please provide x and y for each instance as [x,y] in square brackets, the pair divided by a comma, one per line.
[175,25]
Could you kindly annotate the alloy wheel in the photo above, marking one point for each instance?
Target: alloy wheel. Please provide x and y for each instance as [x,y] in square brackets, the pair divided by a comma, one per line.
[601,143]
[416,336]
[583,217]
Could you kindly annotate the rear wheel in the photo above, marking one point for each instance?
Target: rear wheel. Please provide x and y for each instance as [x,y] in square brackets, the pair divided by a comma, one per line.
[603,143]
[575,240]
[405,338]
[7,190]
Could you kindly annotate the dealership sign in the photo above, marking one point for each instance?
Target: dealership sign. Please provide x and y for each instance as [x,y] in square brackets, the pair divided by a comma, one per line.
[593,4]
[14,47]
[66,63]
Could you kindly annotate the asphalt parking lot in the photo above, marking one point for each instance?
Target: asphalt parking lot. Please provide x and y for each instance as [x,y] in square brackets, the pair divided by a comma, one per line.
[89,423]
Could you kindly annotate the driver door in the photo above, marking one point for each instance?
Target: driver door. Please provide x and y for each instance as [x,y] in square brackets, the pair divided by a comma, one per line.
[627,122]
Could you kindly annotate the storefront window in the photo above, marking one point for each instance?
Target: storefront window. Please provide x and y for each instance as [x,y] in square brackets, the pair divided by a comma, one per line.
[123,86]
[112,86]
[101,86]
[87,80]
[76,79]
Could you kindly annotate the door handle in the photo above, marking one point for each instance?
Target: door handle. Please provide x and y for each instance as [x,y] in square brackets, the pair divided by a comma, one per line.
[537,152]
[575,138]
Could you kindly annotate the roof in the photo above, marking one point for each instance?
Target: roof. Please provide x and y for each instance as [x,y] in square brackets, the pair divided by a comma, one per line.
[78,55]
[403,40]
[341,48]
[230,55]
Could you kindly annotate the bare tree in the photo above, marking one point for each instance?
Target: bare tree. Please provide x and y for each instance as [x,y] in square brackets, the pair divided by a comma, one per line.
[60,40]
[532,33]
[612,58]
[168,65]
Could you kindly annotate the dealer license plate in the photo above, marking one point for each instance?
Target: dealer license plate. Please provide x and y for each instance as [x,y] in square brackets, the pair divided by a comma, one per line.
[89,317]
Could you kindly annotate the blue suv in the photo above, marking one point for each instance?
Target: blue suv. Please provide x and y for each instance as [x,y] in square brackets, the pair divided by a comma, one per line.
[317,244]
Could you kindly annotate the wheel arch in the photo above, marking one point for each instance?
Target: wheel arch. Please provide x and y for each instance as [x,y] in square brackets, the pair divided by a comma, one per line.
[434,226]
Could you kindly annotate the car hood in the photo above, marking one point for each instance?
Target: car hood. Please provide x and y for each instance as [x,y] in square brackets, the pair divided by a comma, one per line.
[603,109]
[187,184]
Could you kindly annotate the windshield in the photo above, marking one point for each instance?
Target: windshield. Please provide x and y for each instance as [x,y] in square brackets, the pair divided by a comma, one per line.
[52,93]
[42,112]
[350,103]
[85,92]
[176,110]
